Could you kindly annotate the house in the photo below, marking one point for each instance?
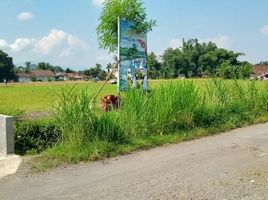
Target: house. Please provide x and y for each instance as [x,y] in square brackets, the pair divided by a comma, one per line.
[24,77]
[69,77]
[43,75]
[260,72]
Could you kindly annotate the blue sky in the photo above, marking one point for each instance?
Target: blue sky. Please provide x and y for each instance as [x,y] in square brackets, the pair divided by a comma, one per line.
[62,32]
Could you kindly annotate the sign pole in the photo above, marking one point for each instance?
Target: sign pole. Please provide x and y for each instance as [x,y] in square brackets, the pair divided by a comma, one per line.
[118,61]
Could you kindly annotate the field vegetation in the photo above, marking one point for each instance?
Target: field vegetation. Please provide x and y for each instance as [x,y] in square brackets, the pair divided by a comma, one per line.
[16,98]
[172,111]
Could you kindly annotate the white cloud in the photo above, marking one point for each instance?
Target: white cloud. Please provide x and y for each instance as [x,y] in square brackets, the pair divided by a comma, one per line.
[221,41]
[97,2]
[107,58]
[61,42]
[21,44]
[264,30]
[25,16]
[3,44]
[176,43]
[58,47]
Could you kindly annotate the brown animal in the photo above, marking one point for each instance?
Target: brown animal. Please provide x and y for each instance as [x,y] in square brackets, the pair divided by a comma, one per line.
[109,102]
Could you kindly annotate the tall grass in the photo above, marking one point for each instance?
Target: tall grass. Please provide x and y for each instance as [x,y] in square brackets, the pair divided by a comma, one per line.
[74,115]
[79,122]
[170,108]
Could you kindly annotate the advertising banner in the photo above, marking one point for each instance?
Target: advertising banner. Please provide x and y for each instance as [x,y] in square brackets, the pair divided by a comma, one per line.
[132,54]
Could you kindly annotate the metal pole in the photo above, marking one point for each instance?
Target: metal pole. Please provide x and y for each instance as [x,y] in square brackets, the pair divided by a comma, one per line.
[105,82]
[118,56]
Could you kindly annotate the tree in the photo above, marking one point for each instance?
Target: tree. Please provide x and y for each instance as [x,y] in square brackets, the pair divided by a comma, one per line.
[96,72]
[107,30]
[228,71]
[109,67]
[48,66]
[68,70]
[263,63]
[27,68]
[246,70]
[42,66]
[153,66]
[195,59]
[57,69]
[6,67]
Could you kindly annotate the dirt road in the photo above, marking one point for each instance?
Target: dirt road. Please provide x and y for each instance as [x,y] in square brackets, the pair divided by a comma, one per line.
[232,165]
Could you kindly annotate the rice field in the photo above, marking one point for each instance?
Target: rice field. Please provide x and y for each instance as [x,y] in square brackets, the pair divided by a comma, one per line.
[41,96]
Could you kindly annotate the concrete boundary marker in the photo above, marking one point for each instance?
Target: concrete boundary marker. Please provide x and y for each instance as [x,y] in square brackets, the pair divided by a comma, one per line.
[6,135]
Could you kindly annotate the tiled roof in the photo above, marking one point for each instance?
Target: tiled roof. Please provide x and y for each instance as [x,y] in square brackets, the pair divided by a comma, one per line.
[260,69]
[43,73]
[24,75]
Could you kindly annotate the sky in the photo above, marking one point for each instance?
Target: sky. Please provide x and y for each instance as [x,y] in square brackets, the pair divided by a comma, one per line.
[63,32]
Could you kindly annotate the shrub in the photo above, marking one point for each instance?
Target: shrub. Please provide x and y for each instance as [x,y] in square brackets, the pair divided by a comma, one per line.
[34,136]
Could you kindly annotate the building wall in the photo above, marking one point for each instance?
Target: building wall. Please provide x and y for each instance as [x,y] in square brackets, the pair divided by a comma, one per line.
[45,79]
[24,80]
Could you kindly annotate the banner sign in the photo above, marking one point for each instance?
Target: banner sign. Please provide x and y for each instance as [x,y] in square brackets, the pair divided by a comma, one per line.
[132,53]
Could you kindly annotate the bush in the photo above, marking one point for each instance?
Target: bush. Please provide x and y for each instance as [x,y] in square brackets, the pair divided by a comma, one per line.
[34,136]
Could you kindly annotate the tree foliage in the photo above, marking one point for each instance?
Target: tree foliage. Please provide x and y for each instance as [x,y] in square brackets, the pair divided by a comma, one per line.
[229,71]
[6,67]
[96,72]
[195,59]
[263,63]
[153,66]
[107,30]
[48,66]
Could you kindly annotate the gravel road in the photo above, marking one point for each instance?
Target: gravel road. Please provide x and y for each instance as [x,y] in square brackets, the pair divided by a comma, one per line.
[233,165]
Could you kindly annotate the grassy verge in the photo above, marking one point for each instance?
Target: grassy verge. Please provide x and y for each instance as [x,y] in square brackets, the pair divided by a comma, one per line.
[171,113]
[100,150]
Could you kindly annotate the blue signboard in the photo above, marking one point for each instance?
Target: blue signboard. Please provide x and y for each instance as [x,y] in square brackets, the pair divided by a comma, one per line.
[132,53]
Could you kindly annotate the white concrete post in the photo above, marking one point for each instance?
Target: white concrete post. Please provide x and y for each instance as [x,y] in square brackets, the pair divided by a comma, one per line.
[6,135]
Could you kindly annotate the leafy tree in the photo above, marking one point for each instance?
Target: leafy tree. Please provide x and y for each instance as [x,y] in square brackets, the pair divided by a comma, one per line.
[68,70]
[229,71]
[42,66]
[6,67]
[18,69]
[107,30]
[27,68]
[263,63]
[57,69]
[195,59]
[246,70]
[109,67]
[96,72]
[48,66]
[153,66]
[226,71]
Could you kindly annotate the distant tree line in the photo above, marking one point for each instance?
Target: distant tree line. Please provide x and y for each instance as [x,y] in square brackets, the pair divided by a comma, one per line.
[195,59]
[263,63]
[40,66]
